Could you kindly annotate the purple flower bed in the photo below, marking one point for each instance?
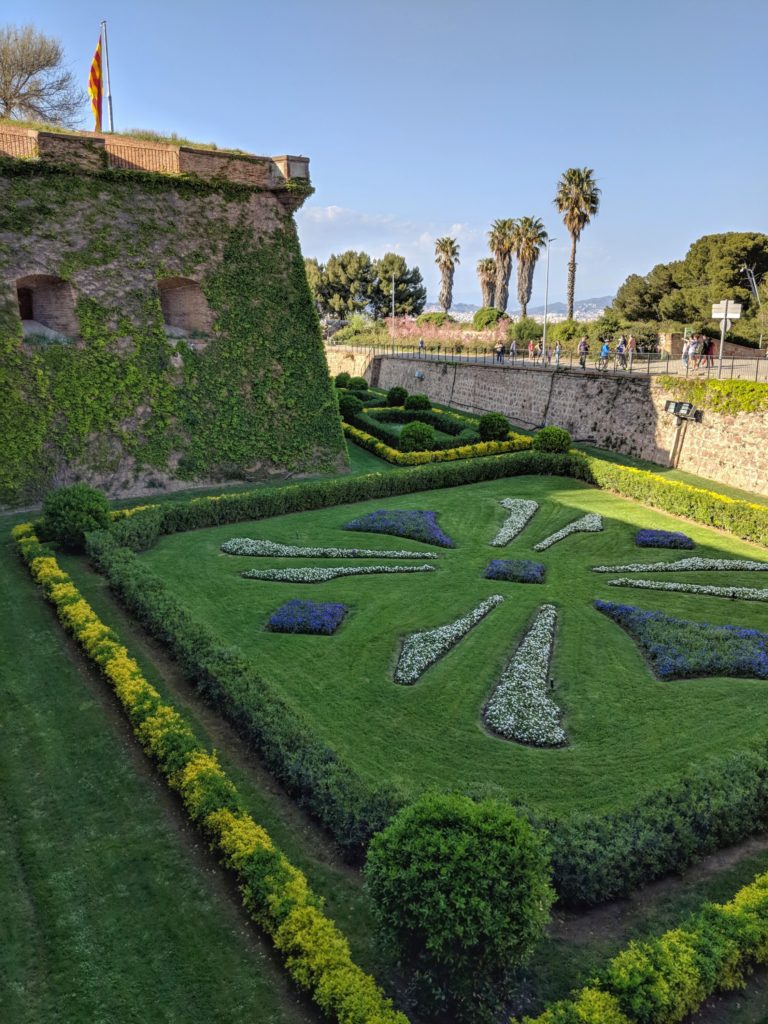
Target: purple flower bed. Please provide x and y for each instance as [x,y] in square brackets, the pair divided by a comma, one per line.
[413,524]
[518,570]
[662,539]
[679,648]
[319,617]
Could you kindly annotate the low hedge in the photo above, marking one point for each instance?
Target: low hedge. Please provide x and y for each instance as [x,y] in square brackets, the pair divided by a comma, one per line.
[663,980]
[517,443]
[276,895]
[372,422]
[445,421]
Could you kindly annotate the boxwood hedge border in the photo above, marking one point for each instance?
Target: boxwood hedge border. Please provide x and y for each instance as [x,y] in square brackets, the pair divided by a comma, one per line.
[595,857]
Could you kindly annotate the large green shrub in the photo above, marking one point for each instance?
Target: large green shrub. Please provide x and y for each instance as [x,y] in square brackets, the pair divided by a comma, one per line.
[486,317]
[461,892]
[420,402]
[552,439]
[437,317]
[493,427]
[417,437]
[396,396]
[358,384]
[525,330]
[71,512]
[350,406]
[342,379]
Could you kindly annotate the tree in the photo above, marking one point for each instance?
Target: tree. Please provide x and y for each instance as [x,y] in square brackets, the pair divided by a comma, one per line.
[347,280]
[34,84]
[446,258]
[578,200]
[486,272]
[410,293]
[461,893]
[501,240]
[529,239]
[317,282]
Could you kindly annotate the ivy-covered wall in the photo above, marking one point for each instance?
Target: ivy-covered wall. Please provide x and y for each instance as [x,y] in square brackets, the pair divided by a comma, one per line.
[123,405]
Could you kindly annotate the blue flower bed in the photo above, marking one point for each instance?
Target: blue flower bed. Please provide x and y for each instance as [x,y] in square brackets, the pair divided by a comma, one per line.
[518,570]
[662,539]
[414,524]
[679,648]
[319,617]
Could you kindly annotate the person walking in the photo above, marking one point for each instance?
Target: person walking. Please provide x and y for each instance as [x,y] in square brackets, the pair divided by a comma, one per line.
[583,352]
[531,349]
[685,353]
[422,346]
[605,355]
[621,353]
[631,349]
[513,350]
[558,353]
[499,350]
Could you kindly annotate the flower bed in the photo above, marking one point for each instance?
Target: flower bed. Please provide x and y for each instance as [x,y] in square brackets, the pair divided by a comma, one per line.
[520,512]
[420,650]
[520,707]
[410,523]
[738,593]
[516,570]
[590,523]
[271,549]
[516,443]
[662,539]
[310,575]
[679,648]
[688,565]
[320,617]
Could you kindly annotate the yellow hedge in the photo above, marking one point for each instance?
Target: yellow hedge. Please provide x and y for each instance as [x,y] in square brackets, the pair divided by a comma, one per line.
[516,443]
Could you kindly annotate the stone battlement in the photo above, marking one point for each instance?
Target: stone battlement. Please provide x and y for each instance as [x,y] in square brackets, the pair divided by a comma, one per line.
[93,151]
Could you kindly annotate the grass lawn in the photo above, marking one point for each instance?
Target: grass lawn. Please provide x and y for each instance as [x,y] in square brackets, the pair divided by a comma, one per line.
[627,731]
[108,907]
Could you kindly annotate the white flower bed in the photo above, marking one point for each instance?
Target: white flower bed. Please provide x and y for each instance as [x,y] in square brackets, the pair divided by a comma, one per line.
[420,650]
[520,511]
[744,593]
[688,565]
[520,707]
[321,575]
[270,548]
[590,523]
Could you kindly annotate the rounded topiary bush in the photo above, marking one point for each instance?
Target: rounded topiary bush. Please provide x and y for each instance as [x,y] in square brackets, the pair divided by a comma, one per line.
[358,384]
[417,437]
[493,427]
[419,402]
[486,317]
[552,439]
[342,380]
[396,396]
[71,512]
[461,894]
[350,406]
[468,436]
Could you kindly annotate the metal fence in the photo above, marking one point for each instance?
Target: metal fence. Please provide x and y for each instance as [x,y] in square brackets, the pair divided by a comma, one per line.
[643,364]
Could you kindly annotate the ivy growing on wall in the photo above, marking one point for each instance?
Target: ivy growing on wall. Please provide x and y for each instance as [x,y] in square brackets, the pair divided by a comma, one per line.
[126,399]
[724,396]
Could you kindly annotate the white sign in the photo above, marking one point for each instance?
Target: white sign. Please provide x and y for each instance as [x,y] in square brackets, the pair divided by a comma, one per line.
[719,311]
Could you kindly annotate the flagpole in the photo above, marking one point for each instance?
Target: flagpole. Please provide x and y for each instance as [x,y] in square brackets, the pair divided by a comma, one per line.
[106,69]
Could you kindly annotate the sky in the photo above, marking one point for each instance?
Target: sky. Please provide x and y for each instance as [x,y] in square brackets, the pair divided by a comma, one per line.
[424,118]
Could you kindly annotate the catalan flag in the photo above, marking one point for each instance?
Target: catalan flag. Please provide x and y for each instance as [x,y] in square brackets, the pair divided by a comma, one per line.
[95,86]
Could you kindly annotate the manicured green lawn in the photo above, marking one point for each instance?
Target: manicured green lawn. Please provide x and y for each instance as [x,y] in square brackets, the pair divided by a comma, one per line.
[108,908]
[627,731]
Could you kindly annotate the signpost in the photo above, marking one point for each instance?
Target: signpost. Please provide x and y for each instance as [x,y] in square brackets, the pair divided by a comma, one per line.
[726,311]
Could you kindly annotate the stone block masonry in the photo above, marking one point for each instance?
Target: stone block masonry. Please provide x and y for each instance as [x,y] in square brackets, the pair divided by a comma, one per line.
[623,414]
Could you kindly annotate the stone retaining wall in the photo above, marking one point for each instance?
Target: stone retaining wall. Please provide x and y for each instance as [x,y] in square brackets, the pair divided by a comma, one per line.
[624,414]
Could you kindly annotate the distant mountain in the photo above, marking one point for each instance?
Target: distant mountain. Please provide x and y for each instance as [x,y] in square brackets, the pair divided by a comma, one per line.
[582,307]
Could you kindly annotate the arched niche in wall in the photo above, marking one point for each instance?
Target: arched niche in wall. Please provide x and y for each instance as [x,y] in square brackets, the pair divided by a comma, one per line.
[185,308]
[46,305]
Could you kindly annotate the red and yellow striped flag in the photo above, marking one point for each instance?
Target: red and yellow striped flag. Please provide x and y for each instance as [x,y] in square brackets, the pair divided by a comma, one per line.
[95,86]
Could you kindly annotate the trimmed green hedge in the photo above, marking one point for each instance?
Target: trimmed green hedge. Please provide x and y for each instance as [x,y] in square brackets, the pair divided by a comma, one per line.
[663,980]
[595,857]
[275,894]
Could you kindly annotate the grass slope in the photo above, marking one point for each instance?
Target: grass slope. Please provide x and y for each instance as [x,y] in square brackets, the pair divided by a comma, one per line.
[627,731]
[108,909]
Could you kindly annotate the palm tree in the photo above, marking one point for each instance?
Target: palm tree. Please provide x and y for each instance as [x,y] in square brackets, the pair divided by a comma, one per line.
[578,199]
[530,239]
[446,257]
[501,239]
[486,271]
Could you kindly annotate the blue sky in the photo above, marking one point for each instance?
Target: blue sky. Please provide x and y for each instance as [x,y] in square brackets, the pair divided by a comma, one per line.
[431,117]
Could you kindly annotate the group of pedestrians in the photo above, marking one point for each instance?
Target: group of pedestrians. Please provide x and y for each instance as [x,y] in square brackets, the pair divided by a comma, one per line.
[698,351]
[624,353]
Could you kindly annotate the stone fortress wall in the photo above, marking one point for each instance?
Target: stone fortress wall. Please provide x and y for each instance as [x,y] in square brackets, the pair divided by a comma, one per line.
[623,414]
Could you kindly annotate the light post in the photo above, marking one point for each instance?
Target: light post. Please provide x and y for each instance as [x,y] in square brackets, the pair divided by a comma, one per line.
[393,312]
[546,296]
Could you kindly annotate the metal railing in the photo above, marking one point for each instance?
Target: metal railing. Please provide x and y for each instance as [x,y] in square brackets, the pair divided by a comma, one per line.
[644,364]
